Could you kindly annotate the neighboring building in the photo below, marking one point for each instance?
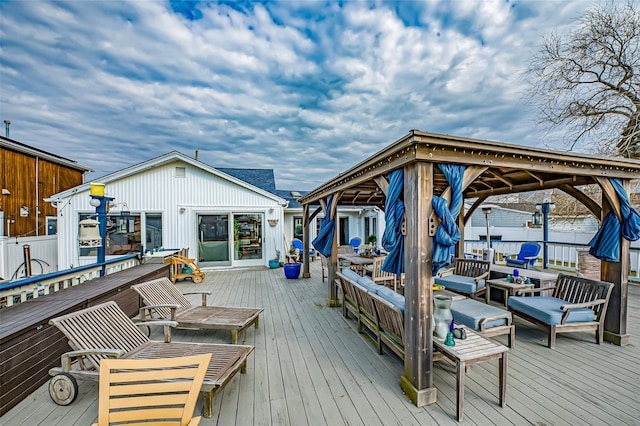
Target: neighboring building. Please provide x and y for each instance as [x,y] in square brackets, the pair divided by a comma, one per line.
[29,175]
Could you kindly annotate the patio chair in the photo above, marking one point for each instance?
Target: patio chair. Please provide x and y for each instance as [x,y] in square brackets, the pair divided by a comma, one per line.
[467,277]
[166,389]
[355,242]
[165,301]
[346,249]
[325,267]
[527,256]
[297,244]
[104,331]
[388,279]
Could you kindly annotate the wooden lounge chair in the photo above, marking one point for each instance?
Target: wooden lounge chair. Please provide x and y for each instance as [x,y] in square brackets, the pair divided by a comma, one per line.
[104,331]
[134,390]
[164,301]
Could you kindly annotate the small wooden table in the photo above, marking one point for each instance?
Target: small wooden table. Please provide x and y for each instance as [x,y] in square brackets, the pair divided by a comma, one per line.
[473,350]
[509,289]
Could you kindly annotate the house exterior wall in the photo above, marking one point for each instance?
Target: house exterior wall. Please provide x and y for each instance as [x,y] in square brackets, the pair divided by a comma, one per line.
[179,200]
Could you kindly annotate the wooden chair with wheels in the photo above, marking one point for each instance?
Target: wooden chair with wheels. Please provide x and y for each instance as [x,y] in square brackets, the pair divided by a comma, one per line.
[160,390]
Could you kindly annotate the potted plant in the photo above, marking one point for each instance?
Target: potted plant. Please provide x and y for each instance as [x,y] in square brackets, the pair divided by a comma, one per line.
[371,240]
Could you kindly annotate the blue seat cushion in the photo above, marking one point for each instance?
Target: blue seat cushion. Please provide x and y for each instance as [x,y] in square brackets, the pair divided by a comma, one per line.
[515,262]
[460,283]
[368,283]
[547,309]
[351,274]
[469,312]
[392,297]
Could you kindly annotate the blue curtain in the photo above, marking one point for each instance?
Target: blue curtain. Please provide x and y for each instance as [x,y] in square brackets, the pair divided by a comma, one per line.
[448,232]
[605,245]
[324,241]
[392,239]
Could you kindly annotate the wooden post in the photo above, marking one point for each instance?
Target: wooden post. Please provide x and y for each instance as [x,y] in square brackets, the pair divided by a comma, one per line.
[332,263]
[417,381]
[615,323]
[305,241]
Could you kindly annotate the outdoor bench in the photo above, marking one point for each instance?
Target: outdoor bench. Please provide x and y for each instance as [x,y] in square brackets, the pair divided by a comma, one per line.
[577,304]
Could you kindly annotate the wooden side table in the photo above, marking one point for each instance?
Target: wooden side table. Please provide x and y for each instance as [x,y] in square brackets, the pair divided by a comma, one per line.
[473,350]
[509,289]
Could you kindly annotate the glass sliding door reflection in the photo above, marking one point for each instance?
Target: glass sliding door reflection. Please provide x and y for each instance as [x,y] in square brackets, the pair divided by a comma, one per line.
[213,239]
[248,235]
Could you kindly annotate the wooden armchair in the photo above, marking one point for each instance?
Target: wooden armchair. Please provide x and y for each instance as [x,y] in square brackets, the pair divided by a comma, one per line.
[379,276]
[160,390]
[467,276]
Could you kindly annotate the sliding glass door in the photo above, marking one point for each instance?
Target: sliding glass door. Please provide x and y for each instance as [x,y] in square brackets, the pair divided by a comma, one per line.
[213,240]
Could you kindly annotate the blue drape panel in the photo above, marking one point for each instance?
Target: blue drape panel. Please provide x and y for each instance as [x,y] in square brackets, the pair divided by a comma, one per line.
[324,241]
[448,232]
[605,245]
[392,239]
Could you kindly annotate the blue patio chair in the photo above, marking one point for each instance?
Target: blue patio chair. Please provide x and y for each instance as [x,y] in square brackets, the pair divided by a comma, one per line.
[527,256]
[297,244]
[355,243]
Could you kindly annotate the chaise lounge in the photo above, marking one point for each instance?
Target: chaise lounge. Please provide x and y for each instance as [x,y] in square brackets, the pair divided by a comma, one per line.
[165,301]
[104,331]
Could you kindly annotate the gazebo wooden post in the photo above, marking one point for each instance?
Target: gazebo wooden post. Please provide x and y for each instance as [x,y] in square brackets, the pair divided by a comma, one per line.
[615,323]
[305,241]
[417,381]
[460,246]
[332,264]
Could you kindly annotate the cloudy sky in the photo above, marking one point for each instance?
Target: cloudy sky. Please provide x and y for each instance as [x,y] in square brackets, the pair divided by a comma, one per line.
[308,88]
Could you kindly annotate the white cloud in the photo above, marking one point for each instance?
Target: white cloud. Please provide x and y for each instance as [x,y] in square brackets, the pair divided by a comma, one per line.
[306,88]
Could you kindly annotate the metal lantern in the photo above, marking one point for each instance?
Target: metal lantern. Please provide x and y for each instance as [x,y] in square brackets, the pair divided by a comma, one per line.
[89,233]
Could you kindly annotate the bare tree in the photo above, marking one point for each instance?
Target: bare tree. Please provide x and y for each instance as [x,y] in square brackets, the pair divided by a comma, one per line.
[589,81]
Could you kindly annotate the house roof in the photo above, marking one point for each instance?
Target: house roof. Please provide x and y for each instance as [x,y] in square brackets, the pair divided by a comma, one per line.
[36,152]
[167,159]
[261,178]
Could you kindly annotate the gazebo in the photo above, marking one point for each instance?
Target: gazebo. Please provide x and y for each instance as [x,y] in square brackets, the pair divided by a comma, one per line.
[449,169]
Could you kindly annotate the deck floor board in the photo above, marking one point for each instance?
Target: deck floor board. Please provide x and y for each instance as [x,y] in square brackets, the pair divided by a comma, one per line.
[311,367]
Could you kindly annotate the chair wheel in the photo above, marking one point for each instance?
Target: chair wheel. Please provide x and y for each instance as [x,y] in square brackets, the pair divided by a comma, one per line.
[63,388]
[197,279]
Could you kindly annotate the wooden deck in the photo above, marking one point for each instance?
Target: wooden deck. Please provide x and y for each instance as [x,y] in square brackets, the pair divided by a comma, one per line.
[310,367]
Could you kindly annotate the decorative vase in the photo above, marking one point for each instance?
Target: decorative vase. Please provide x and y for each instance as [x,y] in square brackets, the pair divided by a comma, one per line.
[442,315]
[292,270]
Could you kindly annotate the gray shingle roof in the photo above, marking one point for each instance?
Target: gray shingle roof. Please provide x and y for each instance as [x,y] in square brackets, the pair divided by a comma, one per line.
[261,178]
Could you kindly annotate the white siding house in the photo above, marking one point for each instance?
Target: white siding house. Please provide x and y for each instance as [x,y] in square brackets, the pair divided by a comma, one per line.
[175,201]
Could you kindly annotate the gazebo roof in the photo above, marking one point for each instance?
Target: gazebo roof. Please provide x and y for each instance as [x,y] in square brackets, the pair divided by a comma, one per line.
[503,168]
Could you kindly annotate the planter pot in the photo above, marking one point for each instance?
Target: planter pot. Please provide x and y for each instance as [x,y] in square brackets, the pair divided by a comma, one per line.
[292,270]
[274,264]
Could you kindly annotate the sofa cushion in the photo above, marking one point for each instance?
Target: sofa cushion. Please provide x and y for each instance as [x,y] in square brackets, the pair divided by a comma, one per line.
[368,283]
[392,297]
[547,309]
[460,283]
[351,274]
[470,312]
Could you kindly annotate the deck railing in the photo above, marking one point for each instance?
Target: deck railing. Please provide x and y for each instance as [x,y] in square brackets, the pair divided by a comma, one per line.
[562,256]
[30,288]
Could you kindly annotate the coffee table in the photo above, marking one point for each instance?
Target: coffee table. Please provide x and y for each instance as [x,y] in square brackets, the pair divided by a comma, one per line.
[509,289]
